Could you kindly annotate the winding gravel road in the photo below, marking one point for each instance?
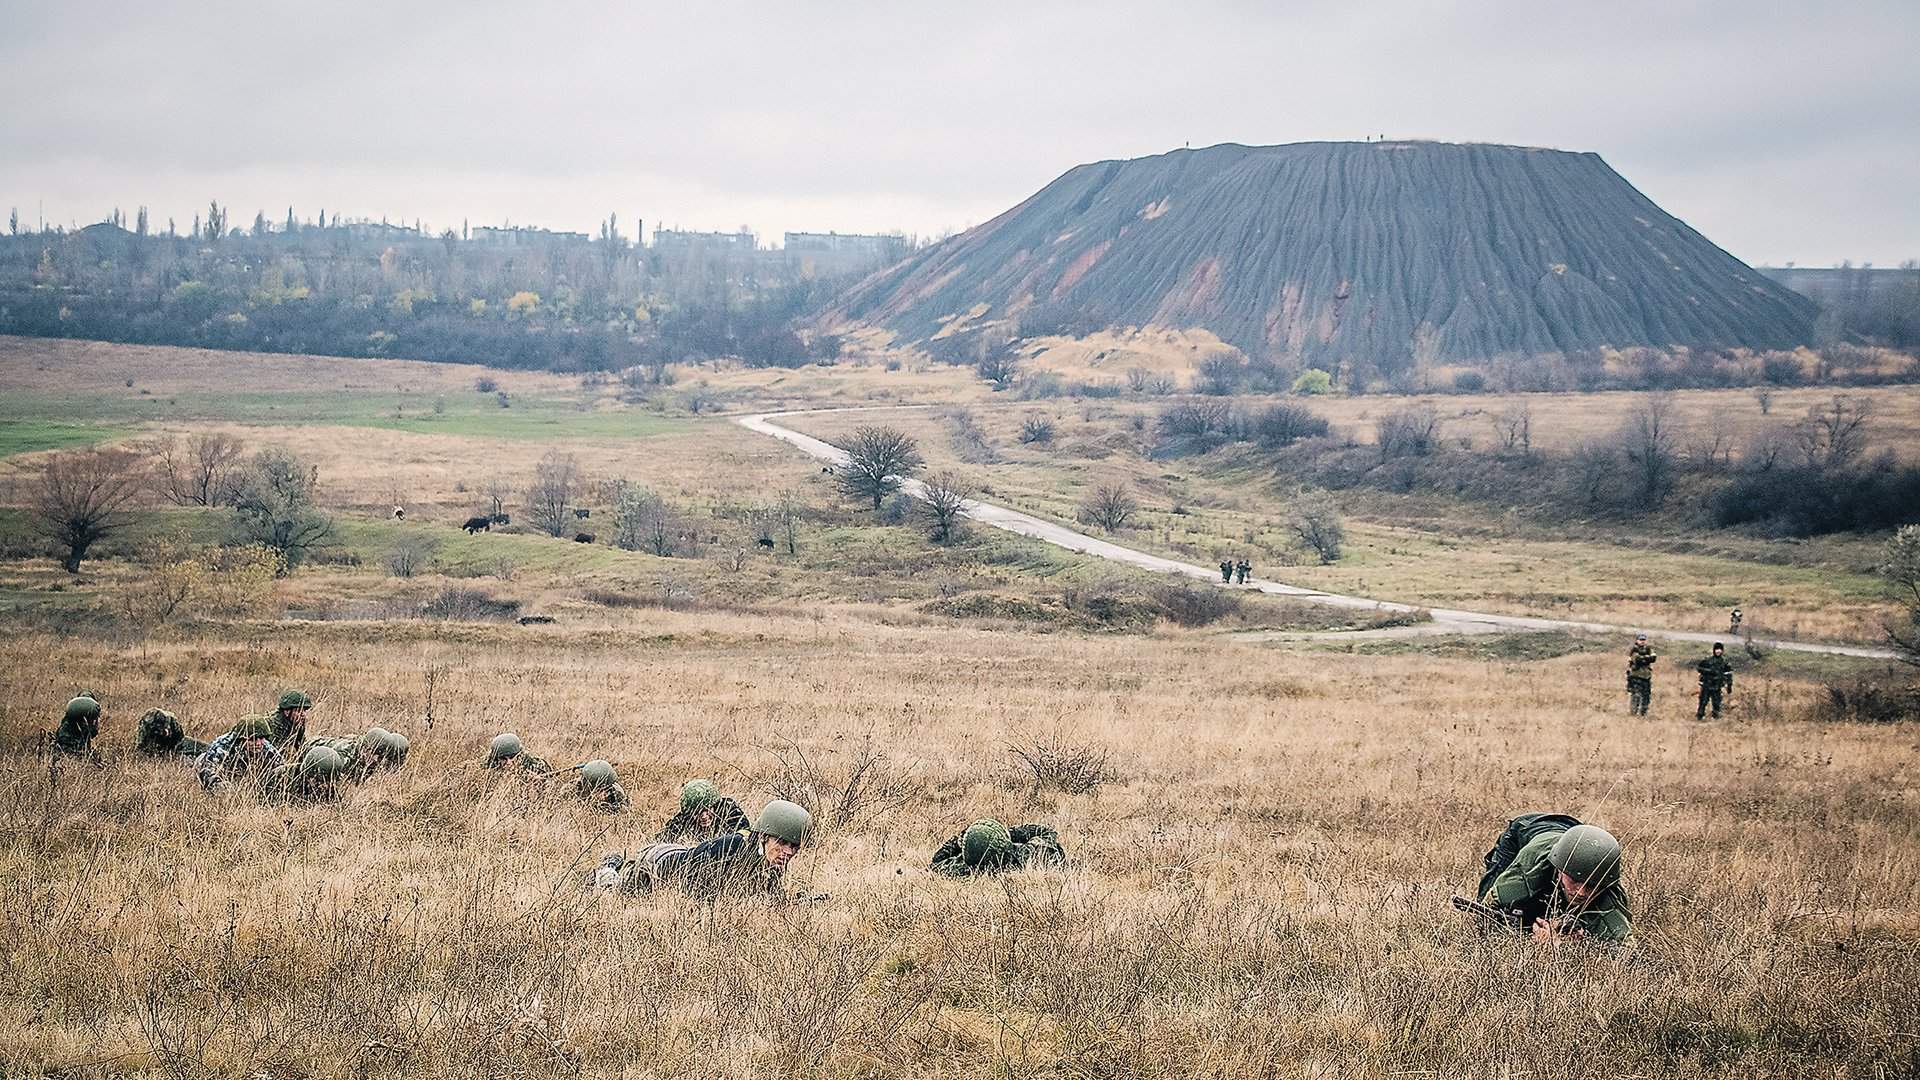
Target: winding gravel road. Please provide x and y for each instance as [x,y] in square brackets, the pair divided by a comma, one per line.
[1445,620]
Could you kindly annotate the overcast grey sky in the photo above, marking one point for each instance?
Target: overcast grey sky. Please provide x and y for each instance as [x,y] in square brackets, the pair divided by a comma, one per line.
[1783,131]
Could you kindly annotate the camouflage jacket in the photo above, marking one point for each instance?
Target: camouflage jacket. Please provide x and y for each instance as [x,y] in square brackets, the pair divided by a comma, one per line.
[76,733]
[1033,846]
[287,782]
[1715,673]
[1640,660]
[524,761]
[224,760]
[685,827]
[725,866]
[158,734]
[288,736]
[1530,888]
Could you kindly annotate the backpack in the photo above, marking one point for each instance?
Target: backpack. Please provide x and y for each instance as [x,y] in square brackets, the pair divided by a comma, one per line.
[1520,832]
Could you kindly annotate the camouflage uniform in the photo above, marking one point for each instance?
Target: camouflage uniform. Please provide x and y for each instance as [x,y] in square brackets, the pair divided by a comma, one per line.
[998,849]
[1241,569]
[158,734]
[1226,571]
[690,825]
[296,783]
[78,726]
[1528,885]
[1716,679]
[599,783]
[1640,661]
[230,757]
[364,754]
[725,866]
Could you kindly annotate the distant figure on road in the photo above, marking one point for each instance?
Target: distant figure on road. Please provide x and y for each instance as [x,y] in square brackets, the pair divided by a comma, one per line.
[1558,878]
[1241,569]
[1716,679]
[1640,660]
[1733,622]
[988,847]
[1226,571]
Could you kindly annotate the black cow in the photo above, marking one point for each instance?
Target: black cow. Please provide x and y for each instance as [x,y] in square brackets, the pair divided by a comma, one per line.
[476,524]
[583,538]
[502,519]
[582,513]
[765,542]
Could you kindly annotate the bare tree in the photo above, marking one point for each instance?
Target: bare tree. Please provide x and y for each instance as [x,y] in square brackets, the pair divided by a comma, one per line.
[1110,506]
[1314,520]
[200,472]
[550,495]
[788,514]
[1649,441]
[274,503]
[998,366]
[1834,435]
[946,495]
[878,458]
[82,497]
[496,489]
[1712,450]
[1902,571]
[1513,426]
[1411,432]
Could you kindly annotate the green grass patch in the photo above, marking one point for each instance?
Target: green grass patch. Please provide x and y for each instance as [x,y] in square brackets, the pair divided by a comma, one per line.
[26,436]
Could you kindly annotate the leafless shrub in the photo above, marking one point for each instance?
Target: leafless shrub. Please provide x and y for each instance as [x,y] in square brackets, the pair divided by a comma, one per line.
[1834,435]
[1410,432]
[863,783]
[1057,765]
[454,604]
[1110,506]
[198,472]
[550,494]
[1513,427]
[409,555]
[1314,520]
[946,495]
[1188,603]
[1036,428]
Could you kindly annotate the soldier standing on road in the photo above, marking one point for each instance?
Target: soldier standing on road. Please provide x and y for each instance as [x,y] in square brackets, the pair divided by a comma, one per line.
[1242,569]
[1733,622]
[1716,679]
[1559,879]
[1226,571]
[1640,660]
[988,847]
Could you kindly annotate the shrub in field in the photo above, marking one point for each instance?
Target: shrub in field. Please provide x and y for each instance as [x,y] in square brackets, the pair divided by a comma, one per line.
[1886,697]
[1189,603]
[468,605]
[1057,765]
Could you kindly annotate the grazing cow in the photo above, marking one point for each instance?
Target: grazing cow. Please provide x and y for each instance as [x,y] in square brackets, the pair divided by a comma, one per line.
[478,523]
[502,519]
[583,538]
[765,542]
[582,513]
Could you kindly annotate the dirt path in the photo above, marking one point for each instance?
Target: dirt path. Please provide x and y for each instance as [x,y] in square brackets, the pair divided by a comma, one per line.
[1445,620]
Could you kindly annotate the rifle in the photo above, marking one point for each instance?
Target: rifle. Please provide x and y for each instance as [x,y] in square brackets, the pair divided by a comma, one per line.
[1489,916]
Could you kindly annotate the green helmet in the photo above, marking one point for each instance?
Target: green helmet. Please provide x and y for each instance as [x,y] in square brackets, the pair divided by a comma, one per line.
[398,745]
[254,727]
[695,794]
[1588,854]
[322,762]
[504,746]
[294,699]
[983,838]
[783,820]
[83,708]
[94,694]
[598,774]
[385,745]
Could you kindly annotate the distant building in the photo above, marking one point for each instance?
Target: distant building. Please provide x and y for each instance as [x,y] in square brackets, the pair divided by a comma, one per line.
[855,244]
[521,235]
[678,240]
[376,230]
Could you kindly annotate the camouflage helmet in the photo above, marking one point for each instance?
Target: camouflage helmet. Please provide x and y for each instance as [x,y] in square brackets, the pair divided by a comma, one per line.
[695,794]
[322,762]
[83,708]
[1588,854]
[254,727]
[385,745]
[983,838]
[94,694]
[295,699]
[159,721]
[783,820]
[504,745]
[598,774]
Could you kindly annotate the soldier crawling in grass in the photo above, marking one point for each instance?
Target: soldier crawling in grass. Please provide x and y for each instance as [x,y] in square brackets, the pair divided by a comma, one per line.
[79,726]
[159,734]
[748,863]
[363,755]
[246,751]
[988,847]
[1553,877]
[288,722]
[704,814]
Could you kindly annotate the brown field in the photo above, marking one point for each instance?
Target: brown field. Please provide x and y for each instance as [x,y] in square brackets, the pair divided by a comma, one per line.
[1258,888]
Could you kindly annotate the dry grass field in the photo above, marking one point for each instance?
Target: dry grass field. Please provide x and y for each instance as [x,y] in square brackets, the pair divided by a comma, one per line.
[1260,889]
[1258,886]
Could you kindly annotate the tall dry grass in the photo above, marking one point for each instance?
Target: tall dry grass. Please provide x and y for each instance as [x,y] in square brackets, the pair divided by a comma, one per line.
[1258,888]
